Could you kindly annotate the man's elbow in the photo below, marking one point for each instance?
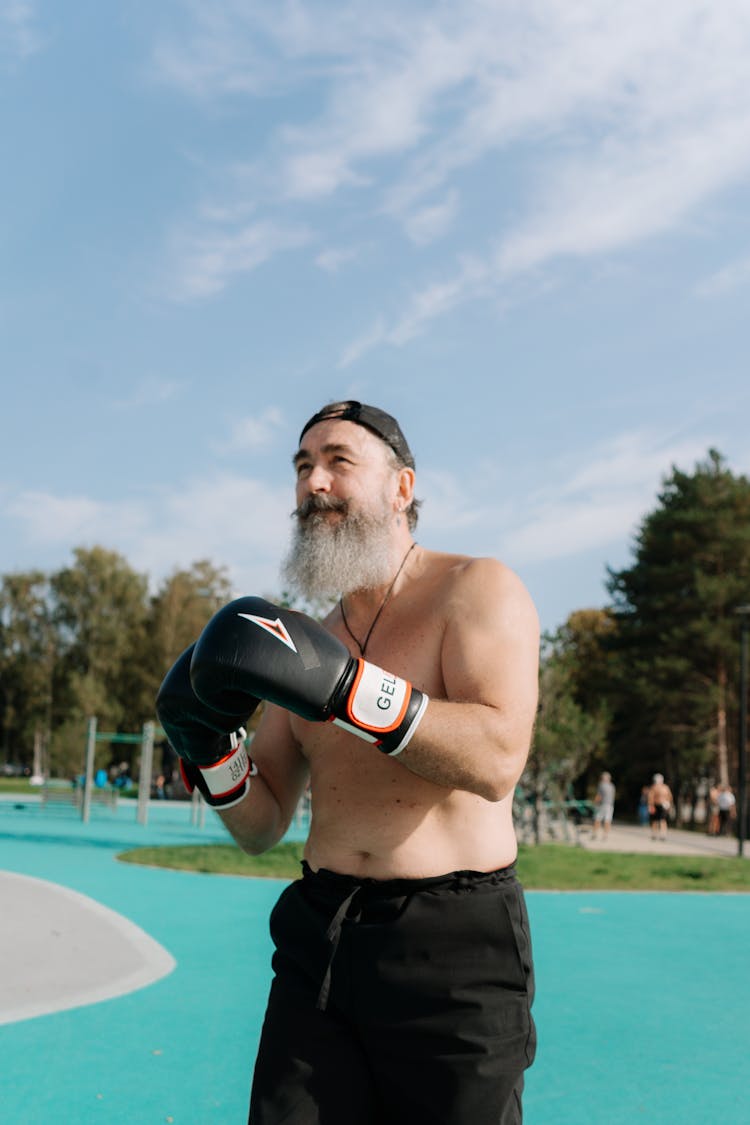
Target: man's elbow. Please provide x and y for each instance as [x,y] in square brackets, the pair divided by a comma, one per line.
[251,840]
[254,847]
[502,778]
[494,790]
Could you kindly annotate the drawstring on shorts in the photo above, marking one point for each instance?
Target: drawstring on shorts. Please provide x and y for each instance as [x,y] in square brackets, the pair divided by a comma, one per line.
[333,934]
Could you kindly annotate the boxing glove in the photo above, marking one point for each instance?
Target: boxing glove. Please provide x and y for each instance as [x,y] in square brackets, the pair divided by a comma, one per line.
[210,745]
[253,648]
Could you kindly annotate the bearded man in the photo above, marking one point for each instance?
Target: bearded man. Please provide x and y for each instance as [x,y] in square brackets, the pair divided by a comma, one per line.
[403,971]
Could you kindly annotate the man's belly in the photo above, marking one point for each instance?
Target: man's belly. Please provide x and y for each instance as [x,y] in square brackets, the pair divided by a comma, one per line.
[399,838]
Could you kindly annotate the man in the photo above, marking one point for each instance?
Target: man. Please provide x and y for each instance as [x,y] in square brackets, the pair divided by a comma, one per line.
[605,806]
[659,805]
[727,808]
[403,974]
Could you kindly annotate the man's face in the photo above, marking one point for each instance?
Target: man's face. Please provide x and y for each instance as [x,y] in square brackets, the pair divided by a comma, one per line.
[341,461]
[347,494]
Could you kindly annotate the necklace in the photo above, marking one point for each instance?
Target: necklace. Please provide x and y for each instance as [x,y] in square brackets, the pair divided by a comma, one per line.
[362,645]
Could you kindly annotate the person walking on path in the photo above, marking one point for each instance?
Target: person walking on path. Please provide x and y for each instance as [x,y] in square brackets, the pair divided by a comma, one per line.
[713,811]
[660,801]
[605,806]
[727,808]
[643,817]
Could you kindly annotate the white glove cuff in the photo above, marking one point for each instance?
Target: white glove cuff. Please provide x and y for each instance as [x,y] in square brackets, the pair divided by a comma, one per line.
[230,773]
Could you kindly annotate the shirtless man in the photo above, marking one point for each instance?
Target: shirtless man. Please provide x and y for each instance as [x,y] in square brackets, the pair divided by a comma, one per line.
[403,974]
[659,804]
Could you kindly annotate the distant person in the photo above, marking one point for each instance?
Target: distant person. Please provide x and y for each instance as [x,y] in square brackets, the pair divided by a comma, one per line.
[713,810]
[173,784]
[605,806]
[643,816]
[122,778]
[660,801]
[727,806]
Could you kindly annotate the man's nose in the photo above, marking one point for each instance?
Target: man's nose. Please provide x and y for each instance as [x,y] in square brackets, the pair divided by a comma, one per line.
[318,479]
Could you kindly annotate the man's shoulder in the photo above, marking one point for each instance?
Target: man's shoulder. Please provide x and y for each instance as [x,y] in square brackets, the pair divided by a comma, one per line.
[465,584]
[490,578]
[463,569]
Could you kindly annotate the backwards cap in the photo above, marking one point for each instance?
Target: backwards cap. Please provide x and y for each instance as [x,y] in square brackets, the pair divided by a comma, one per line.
[383,425]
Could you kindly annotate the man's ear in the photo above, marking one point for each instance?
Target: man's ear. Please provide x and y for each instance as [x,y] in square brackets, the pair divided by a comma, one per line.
[405,493]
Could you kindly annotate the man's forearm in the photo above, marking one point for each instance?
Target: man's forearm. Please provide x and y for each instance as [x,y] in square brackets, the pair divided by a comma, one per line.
[257,823]
[471,747]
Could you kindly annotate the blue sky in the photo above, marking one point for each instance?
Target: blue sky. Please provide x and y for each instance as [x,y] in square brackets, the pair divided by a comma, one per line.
[522,228]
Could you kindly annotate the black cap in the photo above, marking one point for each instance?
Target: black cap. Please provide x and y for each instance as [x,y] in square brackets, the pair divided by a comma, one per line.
[383,425]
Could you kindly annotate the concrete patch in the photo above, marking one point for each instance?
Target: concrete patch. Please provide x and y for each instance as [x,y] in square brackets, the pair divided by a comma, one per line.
[60,949]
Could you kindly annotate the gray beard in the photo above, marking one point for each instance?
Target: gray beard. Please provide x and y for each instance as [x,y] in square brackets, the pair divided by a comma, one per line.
[329,560]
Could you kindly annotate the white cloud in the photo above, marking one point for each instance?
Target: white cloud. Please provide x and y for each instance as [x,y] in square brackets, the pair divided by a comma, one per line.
[621,119]
[333,258]
[609,202]
[19,34]
[149,392]
[735,275]
[311,174]
[364,343]
[218,53]
[620,196]
[425,305]
[593,502]
[453,504]
[206,259]
[559,530]
[503,71]
[599,502]
[50,518]
[431,222]
[439,298]
[251,433]
[236,521]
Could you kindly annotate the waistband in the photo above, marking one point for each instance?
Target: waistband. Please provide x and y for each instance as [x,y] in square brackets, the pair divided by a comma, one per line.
[339,885]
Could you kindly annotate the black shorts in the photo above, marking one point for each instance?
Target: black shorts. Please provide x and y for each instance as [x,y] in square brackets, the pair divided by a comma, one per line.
[661,812]
[397,1003]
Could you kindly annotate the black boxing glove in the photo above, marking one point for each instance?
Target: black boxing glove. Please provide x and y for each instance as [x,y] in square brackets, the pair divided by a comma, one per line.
[210,745]
[251,648]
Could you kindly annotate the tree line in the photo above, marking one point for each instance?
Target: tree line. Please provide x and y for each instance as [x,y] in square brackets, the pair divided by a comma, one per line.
[87,640]
[649,682]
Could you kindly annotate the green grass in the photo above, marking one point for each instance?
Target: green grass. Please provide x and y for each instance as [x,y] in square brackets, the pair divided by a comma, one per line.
[557,867]
[22,785]
[548,867]
[281,862]
[17,785]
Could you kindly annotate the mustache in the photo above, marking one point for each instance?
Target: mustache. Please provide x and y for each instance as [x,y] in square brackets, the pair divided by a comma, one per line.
[313,504]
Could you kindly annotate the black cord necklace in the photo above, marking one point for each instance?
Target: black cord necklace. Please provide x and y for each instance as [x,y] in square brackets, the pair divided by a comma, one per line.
[362,645]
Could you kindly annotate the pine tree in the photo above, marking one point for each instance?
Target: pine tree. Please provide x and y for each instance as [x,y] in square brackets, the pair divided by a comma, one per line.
[676,638]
